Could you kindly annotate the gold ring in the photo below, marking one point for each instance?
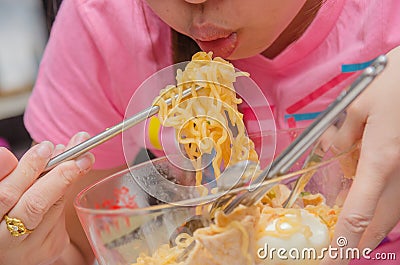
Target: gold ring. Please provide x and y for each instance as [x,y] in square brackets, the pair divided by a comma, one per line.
[16,226]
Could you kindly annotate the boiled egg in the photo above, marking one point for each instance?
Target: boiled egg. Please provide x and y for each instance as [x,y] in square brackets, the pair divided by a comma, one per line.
[291,236]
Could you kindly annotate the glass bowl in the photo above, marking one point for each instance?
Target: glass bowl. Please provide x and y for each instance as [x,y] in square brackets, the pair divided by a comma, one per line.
[122,222]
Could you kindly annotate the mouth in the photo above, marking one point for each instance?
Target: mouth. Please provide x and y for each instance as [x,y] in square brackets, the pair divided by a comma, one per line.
[221,42]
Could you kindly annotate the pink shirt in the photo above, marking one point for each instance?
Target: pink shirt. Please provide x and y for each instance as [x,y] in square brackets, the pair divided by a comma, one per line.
[101,51]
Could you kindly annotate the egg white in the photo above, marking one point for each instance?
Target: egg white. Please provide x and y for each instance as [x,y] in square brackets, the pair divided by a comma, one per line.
[293,244]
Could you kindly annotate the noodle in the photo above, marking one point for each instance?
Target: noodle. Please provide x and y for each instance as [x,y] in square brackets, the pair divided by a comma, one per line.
[222,230]
[203,122]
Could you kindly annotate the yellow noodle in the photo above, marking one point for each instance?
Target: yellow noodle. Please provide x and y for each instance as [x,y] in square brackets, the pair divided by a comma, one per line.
[206,115]
[203,121]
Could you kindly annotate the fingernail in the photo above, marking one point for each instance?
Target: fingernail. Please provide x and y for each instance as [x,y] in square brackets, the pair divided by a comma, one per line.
[60,147]
[45,149]
[80,137]
[85,162]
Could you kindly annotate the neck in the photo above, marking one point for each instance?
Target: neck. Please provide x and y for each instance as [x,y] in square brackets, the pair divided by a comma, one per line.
[295,29]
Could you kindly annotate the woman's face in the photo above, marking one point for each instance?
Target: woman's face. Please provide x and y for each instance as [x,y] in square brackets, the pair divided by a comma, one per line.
[232,29]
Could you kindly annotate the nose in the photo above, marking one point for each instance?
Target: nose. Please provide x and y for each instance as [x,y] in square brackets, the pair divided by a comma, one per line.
[195,1]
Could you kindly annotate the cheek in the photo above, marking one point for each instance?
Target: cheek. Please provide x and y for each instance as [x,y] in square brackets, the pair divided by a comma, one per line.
[278,16]
[167,11]
[284,10]
[265,26]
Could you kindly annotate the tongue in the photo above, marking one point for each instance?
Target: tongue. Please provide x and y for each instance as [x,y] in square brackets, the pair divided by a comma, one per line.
[222,47]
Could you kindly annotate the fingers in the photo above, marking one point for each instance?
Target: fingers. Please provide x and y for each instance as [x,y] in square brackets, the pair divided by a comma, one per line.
[378,161]
[53,220]
[38,199]
[75,140]
[27,171]
[50,236]
[350,132]
[367,214]
[58,150]
[78,138]
[385,219]
[352,129]
[29,203]
[362,200]
[57,240]
[358,211]
[8,162]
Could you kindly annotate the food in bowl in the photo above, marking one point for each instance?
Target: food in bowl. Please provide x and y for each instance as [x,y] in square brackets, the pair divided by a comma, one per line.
[246,235]
[236,237]
[125,227]
[240,237]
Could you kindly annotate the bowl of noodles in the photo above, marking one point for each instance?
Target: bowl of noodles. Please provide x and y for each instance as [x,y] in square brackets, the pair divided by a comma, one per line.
[126,225]
[138,216]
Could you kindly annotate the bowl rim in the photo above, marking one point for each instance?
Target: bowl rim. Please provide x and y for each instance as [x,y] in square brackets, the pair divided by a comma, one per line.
[189,203]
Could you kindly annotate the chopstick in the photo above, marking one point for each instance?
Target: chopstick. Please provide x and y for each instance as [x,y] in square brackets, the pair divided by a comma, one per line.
[110,133]
[310,135]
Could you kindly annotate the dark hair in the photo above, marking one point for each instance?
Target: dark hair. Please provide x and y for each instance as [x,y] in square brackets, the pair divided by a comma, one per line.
[183,47]
[51,8]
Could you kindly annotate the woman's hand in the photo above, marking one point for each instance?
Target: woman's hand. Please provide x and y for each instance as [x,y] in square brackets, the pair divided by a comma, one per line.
[37,202]
[372,207]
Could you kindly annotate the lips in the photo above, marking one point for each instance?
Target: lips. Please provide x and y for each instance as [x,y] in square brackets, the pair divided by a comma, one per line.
[220,41]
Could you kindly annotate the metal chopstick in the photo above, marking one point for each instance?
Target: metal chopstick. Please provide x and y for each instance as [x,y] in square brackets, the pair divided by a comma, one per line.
[109,133]
[311,134]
